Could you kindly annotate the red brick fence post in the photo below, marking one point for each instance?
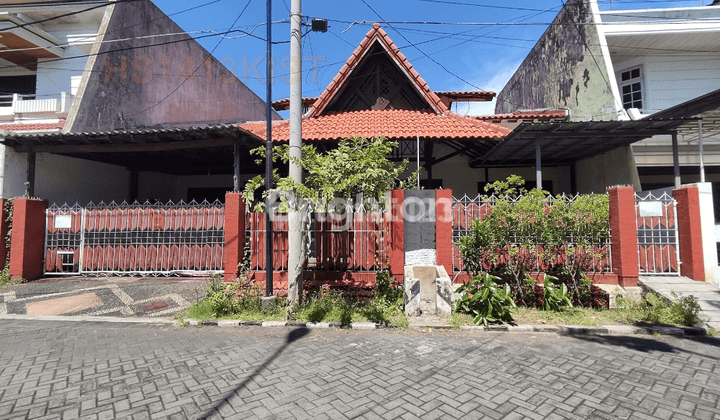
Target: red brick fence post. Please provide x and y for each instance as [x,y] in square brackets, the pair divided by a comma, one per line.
[4,227]
[397,235]
[444,229]
[623,232]
[27,246]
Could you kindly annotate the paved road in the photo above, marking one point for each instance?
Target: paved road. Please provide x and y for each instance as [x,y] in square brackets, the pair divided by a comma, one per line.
[95,370]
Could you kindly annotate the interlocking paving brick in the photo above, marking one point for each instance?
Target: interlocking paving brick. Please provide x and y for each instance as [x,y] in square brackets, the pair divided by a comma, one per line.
[110,371]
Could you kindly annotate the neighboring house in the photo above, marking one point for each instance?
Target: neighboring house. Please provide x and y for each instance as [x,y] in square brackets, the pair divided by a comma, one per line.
[629,65]
[84,72]
[379,93]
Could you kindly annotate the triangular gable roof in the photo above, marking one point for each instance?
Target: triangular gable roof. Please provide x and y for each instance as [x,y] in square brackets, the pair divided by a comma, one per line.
[376,34]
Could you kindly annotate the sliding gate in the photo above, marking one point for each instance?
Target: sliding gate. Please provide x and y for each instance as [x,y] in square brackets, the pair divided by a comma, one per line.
[144,240]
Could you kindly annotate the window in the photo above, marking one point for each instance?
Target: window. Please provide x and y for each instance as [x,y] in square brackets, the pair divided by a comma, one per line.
[630,85]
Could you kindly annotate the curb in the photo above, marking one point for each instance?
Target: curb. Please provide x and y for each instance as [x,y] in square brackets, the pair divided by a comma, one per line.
[568,330]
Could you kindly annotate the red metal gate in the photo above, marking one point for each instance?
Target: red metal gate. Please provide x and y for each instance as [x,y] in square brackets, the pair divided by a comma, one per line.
[169,239]
[658,244]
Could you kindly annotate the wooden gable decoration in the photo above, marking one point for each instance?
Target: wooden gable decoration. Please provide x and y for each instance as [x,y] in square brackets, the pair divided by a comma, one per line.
[377,77]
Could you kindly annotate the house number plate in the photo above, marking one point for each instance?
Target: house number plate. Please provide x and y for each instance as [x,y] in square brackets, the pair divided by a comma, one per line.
[651,209]
[63,221]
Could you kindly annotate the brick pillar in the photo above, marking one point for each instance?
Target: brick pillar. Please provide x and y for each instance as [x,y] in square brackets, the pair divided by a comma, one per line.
[4,227]
[27,244]
[234,234]
[623,231]
[443,229]
[397,235]
[689,231]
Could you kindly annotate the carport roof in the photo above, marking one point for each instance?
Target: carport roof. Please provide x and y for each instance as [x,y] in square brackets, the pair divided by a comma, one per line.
[179,151]
[124,141]
[563,143]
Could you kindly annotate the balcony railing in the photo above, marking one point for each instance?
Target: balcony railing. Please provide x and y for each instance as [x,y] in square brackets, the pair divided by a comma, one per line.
[11,105]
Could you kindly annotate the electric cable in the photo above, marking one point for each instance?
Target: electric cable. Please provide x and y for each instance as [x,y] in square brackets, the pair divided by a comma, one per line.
[242,12]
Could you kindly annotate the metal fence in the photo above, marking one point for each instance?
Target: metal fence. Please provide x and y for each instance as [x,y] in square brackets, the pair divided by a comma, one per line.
[466,210]
[136,239]
[355,241]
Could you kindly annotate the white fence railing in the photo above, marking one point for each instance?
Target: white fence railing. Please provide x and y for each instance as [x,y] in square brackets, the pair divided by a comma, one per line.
[35,104]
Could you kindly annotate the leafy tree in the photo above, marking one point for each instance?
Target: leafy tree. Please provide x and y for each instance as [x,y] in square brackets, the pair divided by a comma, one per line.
[358,166]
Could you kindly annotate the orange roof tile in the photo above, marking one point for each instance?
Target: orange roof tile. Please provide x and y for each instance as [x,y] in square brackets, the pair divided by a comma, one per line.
[394,124]
[284,104]
[33,126]
[376,34]
[527,115]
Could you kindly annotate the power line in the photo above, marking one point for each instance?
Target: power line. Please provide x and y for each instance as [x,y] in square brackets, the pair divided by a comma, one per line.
[489,6]
[66,15]
[201,64]
[421,51]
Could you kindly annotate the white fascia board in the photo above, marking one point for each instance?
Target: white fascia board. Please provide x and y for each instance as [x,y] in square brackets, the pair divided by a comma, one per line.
[656,28]
[615,90]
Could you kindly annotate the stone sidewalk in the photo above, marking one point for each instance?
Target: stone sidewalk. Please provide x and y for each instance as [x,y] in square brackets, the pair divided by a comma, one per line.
[708,295]
[109,296]
[69,370]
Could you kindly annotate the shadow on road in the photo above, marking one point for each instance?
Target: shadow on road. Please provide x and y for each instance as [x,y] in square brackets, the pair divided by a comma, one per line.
[293,336]
[647,344]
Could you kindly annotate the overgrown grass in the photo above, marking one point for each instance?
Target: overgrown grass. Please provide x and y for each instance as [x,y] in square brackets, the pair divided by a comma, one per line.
[241,301]
[652,309]
[5,280]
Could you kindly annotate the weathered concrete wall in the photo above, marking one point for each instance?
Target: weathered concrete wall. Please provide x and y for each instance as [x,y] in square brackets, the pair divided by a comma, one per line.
[565,69]
[128,81]
[616,167]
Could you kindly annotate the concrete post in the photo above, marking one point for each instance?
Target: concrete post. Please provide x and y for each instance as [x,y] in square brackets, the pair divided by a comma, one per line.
[707,226]
[689,231]
[234,250]
[27,244]
[623,232]
[397,235]
[444,229]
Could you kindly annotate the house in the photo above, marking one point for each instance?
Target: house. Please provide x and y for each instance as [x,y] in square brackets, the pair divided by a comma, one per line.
[93,94]
[379,93]
[630,65]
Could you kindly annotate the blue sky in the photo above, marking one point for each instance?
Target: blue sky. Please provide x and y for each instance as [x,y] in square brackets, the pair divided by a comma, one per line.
[475,57]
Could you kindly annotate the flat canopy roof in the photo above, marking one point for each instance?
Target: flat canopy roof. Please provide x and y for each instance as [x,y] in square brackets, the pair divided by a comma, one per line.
[181,151]
[562,143]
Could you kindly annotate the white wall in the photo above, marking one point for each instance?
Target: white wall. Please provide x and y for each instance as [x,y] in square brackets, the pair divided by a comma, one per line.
[62,179]
[163,187]
[13,174]
[672,80]
[458,176]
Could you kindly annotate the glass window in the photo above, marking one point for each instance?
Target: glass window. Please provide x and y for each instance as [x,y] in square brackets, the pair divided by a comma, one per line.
[631,88]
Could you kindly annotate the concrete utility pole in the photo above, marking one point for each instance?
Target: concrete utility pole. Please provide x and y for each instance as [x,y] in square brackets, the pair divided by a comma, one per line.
[295,246]
[268,159]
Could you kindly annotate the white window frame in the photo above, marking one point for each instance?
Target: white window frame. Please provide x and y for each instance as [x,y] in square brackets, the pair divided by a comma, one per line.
[640,79]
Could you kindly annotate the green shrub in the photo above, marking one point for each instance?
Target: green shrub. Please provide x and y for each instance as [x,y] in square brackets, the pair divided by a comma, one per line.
[555,296]
[241,295]
[485,300]
[653,308]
